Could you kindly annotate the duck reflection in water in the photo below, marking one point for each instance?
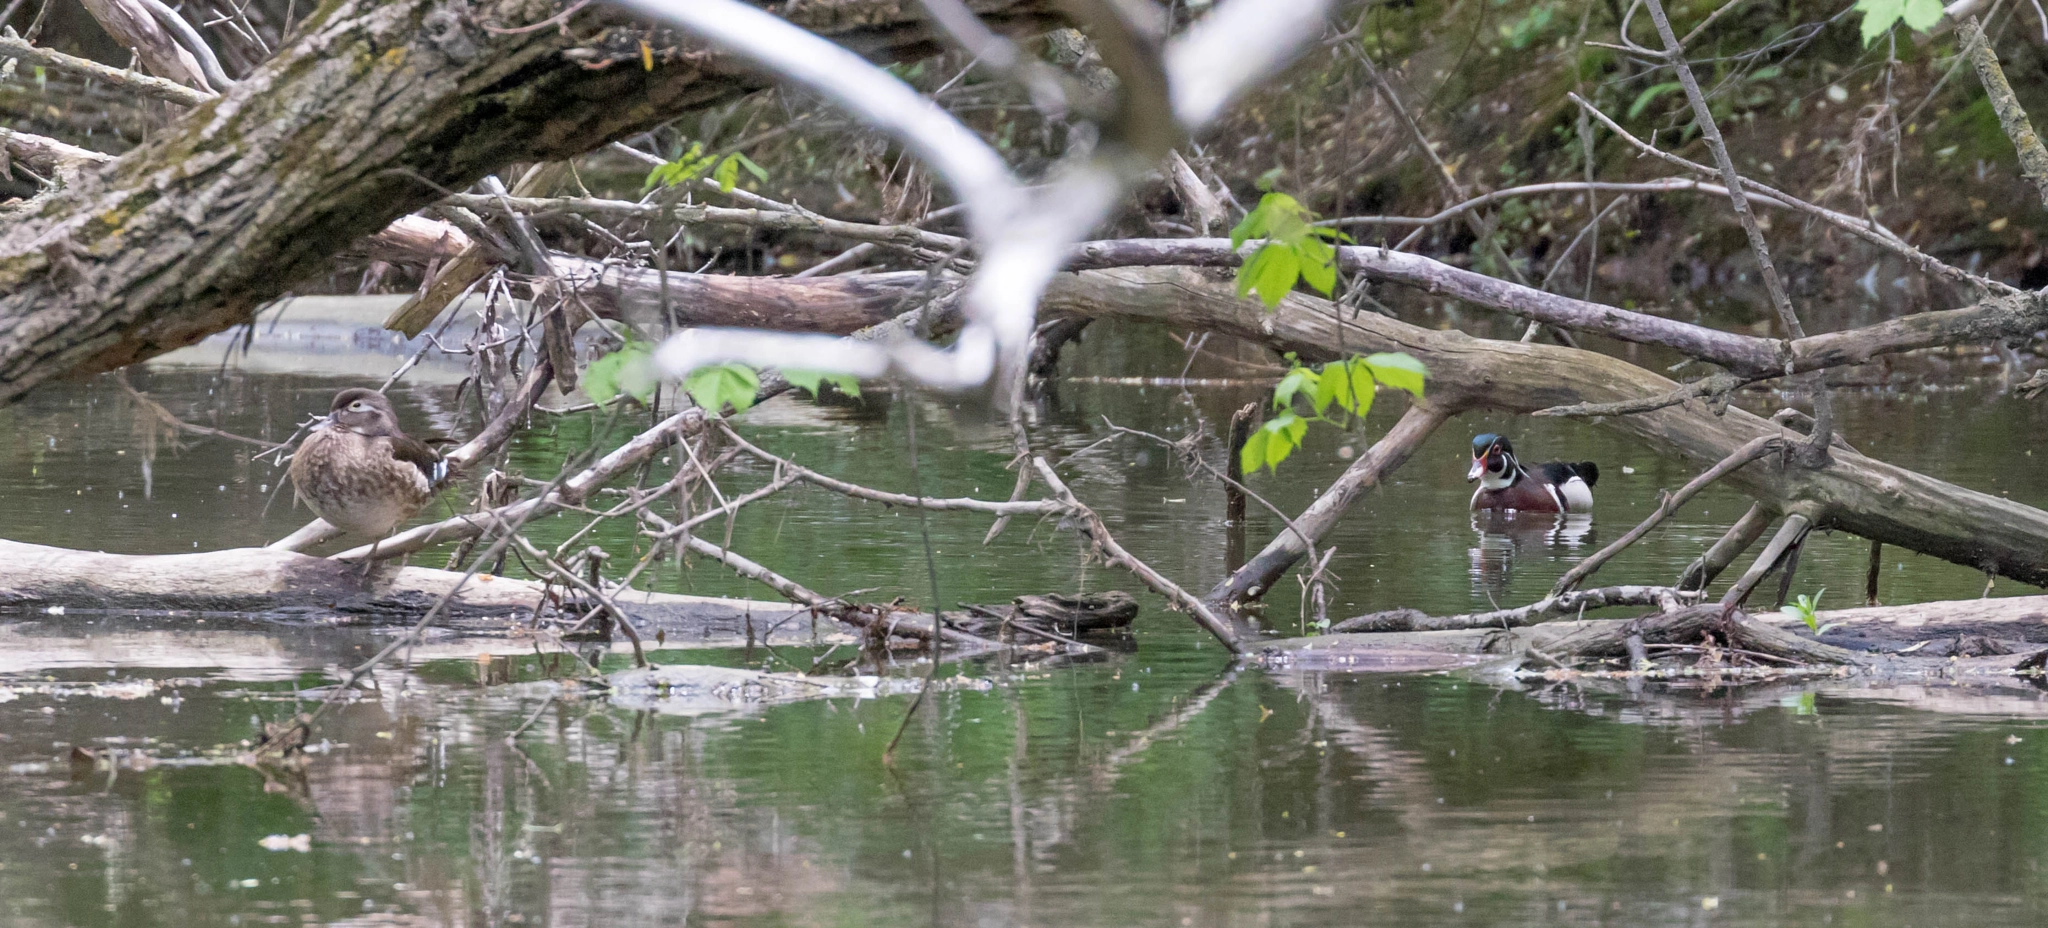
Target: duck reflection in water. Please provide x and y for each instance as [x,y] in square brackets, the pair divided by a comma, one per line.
[1506,536]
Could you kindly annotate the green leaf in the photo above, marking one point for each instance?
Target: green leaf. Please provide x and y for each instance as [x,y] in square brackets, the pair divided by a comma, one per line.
[629,370]
[1253,455]
[717,387]
[683,169]
[1878,17]
[1318,263]
[1650,95]
[1286,221]
[760,173]
[1292,426]
[1355,387]
[1921,15]
[1283,435]
[1397,370]
[1297,380]
[1245,230]
[809,382]
[1328,384]
[727,175]
[1271,272]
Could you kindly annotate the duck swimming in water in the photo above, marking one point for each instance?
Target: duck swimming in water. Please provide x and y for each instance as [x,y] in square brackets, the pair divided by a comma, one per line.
[1505,483]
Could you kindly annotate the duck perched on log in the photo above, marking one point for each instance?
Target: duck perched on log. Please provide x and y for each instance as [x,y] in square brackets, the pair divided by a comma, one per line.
[360,472]
[1505,483]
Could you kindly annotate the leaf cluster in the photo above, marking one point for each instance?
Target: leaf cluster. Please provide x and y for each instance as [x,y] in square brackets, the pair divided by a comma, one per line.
[1806,609]
[1880,15]
[694,162]
[1296,249]
[1349,385]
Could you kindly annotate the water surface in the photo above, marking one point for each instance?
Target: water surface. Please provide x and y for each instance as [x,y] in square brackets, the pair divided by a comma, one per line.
[1148,786]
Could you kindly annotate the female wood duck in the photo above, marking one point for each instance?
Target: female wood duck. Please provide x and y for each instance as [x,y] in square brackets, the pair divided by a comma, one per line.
[1504,483]
[359,472]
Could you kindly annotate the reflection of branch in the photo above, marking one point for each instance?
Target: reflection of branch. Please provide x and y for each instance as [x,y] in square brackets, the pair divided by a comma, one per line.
[170,419]
[1041,507]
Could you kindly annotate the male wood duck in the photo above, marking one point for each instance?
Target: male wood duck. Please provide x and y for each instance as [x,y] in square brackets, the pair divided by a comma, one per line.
[1505,483]
[359,472]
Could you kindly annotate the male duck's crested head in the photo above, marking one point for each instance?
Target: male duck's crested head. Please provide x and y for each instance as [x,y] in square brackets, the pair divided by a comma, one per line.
[363,411]
[1492,456]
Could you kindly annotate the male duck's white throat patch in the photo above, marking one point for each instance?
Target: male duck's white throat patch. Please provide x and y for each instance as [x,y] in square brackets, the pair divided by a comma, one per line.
[1491,481]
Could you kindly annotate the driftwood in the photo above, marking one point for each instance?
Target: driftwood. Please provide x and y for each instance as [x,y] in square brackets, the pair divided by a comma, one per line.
[1897,640]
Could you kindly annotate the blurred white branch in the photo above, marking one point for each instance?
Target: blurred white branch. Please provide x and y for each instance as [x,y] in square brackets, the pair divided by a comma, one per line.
[1022,236]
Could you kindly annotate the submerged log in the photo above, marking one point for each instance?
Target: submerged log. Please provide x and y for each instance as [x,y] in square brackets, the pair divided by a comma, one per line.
[1085,615]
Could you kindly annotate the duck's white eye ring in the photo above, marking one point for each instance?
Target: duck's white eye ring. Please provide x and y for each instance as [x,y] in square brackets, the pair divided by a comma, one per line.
[359,406]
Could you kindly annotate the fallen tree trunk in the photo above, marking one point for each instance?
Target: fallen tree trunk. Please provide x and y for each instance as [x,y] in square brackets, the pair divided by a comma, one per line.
[378,107]
[42,580]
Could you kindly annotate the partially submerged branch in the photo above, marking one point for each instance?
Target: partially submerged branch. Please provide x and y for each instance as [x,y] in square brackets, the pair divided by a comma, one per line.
[1556,604]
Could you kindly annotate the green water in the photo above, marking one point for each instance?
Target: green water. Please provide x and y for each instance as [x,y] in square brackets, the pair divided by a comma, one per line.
[1156,786]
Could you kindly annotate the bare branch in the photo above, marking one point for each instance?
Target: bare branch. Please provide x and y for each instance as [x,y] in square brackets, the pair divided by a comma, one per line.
[143,84]
[1928,264]
[1409,620]
[2011,116]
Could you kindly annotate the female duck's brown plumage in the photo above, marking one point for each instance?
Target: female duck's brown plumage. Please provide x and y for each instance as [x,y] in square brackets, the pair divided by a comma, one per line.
[359,472]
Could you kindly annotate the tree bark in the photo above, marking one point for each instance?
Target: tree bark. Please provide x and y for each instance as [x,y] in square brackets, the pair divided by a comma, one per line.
[376,108]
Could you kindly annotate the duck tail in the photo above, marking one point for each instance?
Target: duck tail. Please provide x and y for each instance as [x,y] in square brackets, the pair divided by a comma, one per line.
[1587,471]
